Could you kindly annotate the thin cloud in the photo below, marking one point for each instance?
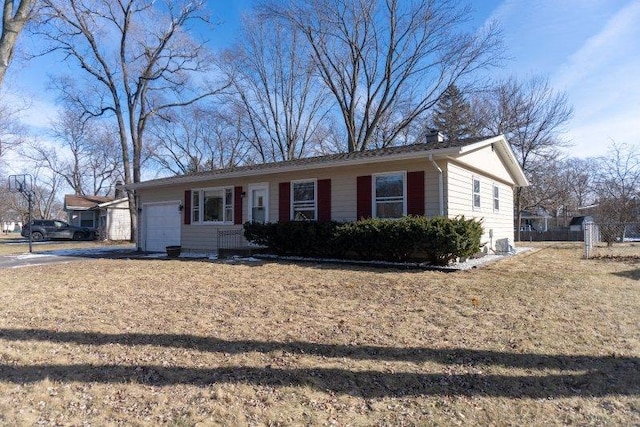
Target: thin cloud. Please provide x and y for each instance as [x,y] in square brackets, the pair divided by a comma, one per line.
[600,80]
[617,40]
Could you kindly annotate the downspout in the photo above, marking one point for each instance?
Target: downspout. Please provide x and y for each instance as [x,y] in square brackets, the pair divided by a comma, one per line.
[440,185]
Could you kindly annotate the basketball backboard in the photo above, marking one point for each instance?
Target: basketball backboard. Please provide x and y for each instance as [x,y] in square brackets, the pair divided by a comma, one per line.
[20,183]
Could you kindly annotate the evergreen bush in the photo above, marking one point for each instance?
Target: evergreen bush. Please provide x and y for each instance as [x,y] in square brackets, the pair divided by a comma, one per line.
[438,240]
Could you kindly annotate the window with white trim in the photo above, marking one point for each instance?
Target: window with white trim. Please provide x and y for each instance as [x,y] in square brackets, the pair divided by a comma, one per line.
[212,205]
[476,193]
[303,200]
[496,198]
[389,192]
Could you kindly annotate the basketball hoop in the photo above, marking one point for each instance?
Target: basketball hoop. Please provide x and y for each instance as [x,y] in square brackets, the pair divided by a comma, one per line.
[20,183]
[23,184]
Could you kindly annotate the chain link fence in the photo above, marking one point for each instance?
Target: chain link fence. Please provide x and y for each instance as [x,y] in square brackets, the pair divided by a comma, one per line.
[612,240]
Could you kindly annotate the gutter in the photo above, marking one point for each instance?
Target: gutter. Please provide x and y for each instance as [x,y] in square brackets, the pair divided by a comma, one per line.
[440,185]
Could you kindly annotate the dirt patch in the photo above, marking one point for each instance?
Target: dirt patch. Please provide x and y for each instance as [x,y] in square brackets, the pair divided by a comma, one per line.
[544,338]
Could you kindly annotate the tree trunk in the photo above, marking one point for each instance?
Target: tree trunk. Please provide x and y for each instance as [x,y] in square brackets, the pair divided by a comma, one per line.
[12,25]
[518,209]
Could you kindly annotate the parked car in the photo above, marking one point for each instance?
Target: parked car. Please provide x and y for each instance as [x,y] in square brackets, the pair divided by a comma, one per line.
[56,229]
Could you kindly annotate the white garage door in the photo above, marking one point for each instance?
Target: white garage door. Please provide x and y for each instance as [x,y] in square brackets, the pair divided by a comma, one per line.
[162,226]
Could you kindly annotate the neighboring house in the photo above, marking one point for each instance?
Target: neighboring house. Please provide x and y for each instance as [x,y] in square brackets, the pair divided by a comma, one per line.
[11,226]
[474,177]
[110,216]
[577,222]
[536,220]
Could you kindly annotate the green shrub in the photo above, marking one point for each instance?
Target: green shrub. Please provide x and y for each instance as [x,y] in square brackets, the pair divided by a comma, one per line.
[446,239]
[305,238]
[438,240]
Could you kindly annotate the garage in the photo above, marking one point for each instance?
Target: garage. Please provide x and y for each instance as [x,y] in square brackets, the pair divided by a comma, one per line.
[161,226]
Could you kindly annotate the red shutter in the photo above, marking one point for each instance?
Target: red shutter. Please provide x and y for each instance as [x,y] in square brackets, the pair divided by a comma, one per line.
[186,210]
[324,200]
[284,202]
[415,193]
[237,205]
[363,197]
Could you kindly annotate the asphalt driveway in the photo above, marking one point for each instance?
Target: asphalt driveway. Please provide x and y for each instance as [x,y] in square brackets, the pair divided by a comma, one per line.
[41,255]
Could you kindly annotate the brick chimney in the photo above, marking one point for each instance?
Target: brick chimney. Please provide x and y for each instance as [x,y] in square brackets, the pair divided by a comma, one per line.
[434,135]
[118,193]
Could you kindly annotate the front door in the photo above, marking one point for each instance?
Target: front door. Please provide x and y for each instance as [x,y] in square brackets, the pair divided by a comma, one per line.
[259,202]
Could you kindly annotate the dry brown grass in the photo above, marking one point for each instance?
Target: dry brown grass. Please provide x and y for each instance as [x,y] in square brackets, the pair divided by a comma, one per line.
[542,338]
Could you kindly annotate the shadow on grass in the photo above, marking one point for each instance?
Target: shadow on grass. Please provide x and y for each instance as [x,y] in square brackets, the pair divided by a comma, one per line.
[366,384]
[629,274]
[590,376]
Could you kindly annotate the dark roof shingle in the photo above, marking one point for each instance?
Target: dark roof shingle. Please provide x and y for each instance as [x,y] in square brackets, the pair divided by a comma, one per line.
[88,202]
[330,158]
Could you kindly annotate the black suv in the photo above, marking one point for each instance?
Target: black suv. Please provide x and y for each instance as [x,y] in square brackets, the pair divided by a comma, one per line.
[56,229]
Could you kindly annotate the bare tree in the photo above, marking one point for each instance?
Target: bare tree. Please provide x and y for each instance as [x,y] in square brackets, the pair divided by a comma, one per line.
[580,175]
[87,156]
[197,138]
[532,116]
[274,82]
[45,201]
[387,62]
[617,184]
[15,14]
[138,60]
[12,131]
[547,190]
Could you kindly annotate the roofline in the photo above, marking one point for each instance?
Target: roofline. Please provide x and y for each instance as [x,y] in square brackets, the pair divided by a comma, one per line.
[112,202]
[511,164]
[77,208]
[442,152]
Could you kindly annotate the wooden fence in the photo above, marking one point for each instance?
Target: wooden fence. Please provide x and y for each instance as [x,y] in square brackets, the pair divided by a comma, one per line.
[560,235]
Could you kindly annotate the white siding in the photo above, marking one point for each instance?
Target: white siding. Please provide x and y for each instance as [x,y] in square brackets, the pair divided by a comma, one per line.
[487,162]
[460,202]
[118,223]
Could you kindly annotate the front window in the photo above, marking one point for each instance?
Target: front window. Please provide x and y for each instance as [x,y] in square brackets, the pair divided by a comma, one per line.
[390,197]
[496,198]
[303,201]
[476,193]
[87,219]
[212,205]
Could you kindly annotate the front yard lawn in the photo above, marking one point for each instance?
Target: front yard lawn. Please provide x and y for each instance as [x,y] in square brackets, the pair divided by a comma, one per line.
[541,338]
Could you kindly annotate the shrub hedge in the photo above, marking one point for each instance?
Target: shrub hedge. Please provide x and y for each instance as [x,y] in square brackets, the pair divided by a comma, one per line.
[438,240]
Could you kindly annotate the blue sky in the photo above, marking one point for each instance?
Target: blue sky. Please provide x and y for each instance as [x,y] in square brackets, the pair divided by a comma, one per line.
[588,48]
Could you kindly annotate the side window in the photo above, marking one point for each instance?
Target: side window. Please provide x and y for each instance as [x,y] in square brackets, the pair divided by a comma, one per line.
[389,195]
[496,198]
[476,194]
[303,201]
